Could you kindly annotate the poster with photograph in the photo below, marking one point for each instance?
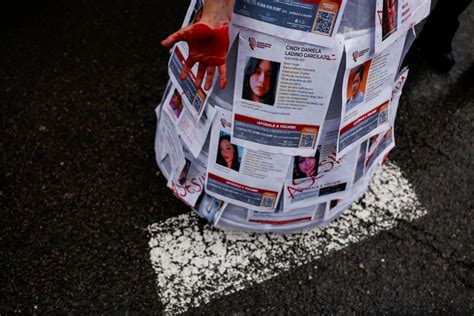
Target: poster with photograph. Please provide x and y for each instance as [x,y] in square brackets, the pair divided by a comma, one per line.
[193,133]
[188,186]
[242,176]
[282,93]
[315,22]
[194,98]
[321,177]
[393,18]
[367,88]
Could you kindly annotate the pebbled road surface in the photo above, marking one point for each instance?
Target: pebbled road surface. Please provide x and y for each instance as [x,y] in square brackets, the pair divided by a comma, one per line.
[79,82]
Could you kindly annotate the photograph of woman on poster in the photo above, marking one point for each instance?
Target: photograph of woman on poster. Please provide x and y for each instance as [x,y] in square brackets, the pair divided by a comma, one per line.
[306,167]
[389,17]
[228,154]
[176,104]
[260,80]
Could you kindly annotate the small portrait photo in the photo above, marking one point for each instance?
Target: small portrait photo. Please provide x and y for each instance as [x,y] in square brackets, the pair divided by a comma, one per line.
[356,85]
[306,167]
[389,17]
[176,104]
[260,80]
[228,154]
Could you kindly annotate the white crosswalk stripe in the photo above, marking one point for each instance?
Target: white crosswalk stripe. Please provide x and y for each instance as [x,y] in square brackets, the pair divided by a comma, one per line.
[194,267]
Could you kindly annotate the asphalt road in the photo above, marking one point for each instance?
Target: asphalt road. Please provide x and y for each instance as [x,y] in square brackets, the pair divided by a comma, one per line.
[79,83]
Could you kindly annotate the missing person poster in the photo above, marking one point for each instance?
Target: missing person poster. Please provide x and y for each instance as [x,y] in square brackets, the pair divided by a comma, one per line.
[393,18]
[188,186]
[242,176]
[193,133]
[194,98]
[309,21]
[367,88]
[321,177]
[282,93]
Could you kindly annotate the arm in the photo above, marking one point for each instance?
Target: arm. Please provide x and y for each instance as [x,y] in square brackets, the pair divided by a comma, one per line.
[208,42]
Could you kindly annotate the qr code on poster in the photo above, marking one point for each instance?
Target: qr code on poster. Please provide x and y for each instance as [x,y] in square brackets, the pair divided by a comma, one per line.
[307,140]
[267,201]
[383,117]
[324,22]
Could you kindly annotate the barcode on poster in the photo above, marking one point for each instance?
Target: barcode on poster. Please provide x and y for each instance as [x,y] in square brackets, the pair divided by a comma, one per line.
[307,140]
[267,201]
[324,22]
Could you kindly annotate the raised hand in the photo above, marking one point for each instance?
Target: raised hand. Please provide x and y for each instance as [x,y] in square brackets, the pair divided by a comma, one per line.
[208,46]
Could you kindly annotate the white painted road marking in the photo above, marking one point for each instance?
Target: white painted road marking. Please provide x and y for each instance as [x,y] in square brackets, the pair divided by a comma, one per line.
[195,267]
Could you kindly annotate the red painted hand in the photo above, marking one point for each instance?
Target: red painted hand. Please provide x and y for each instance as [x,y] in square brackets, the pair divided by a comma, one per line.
[208,46]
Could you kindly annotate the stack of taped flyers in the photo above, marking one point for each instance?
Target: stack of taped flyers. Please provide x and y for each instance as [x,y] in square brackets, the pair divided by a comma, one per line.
[306,118]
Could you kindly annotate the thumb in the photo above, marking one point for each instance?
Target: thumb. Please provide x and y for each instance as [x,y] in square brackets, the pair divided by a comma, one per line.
[174,38]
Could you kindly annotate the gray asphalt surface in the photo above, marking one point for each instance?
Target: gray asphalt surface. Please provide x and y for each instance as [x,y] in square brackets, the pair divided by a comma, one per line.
[79,82]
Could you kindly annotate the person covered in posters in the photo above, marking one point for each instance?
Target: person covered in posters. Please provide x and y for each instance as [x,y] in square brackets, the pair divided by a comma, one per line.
[357,96]
[260,80]
[389,17]
[208,42]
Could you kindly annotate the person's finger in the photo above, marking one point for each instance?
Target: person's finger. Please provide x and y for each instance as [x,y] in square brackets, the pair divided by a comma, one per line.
[175,37]
[222,75]
[209,77]
[200,74]
[188,64]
